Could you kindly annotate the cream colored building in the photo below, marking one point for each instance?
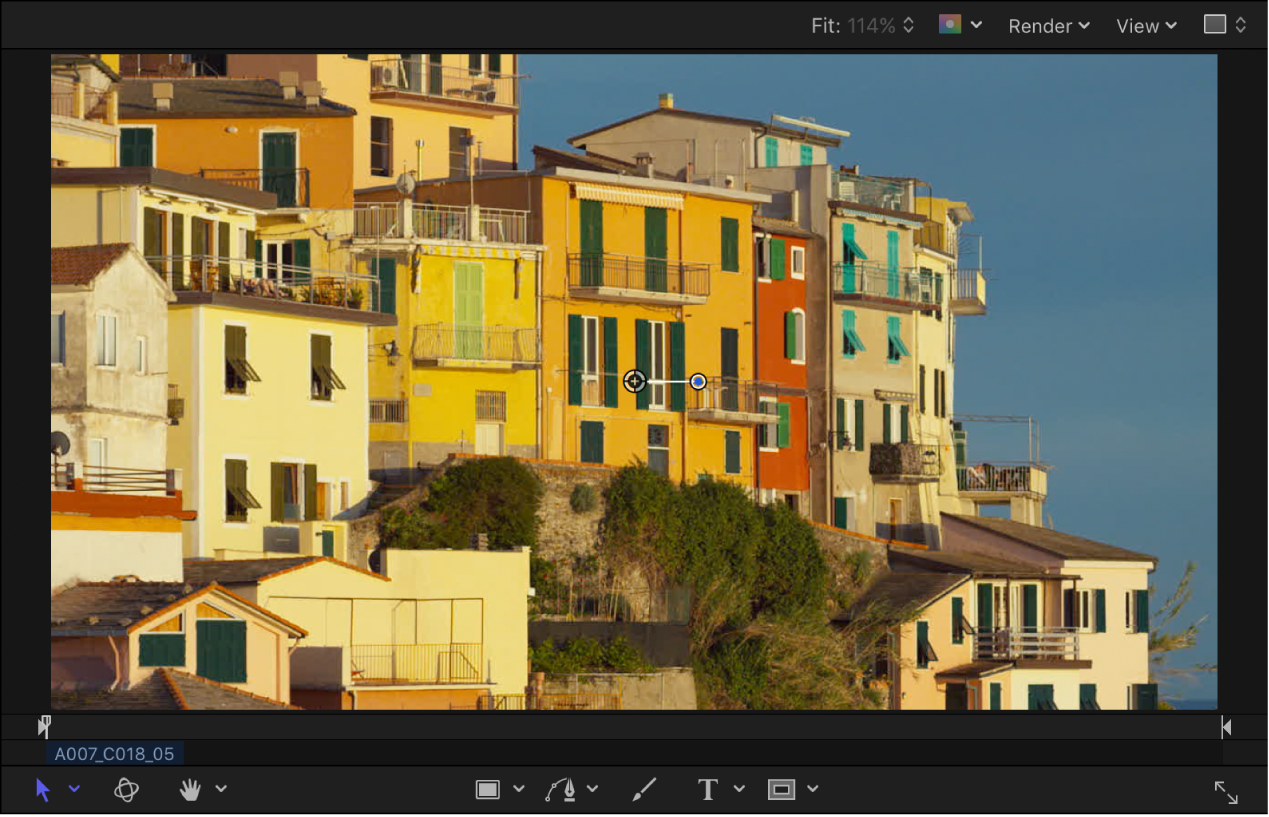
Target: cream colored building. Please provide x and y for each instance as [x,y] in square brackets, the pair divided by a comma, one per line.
[84,126]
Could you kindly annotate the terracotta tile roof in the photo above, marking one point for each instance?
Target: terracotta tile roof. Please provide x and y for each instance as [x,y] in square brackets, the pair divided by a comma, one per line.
[165,690]
[880,211]
[1066,545]
[894,592]
[975,669]
[248,571]
[120,607]
[968,563]
[549,157]
[78,266]
[218,96]
[780,225]
[194,692]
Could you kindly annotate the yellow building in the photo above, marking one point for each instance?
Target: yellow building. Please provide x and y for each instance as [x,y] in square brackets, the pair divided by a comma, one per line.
[433,114]
[439,628]
[84,128]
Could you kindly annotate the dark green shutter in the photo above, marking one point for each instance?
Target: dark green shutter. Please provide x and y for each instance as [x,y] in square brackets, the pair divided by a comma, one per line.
[310,492]
[495,63]
[903,423]
[921,404]
[839,512]
[178,246]
[136,147]
[859,425]
[841,422]
[610,362]
[385,269]
[1030,606]
[808,155]
[730,245]
[591,215]
[892,263]
[782,426]
[222,246]
[1142,599]
[222,651]
[731,451]
[654,249]
[777,259]
[576,354]
[150,221]
[791,335]
[277,477]
[985,624]
[994,689]
[922,638]
[162,650]
[278,176]
[643,359]
[678,366]
[885,422]
[358,56]
[1088,696]
[328,543]
[259,255]
[1100,610]
[592,441]
[1147,696]
[773,152]
[1068,608]
[127,147]
[302,264]
[958,613]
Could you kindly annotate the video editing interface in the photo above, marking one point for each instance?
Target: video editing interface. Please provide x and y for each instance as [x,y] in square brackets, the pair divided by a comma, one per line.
[645,419]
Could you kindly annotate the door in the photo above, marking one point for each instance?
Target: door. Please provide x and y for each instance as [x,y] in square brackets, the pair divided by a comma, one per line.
[654,249]
[435,76]
[412,72]
[278,173]
[730,369]
[489,439]
[957,697]
[328,543]
[469,310]
[222,650]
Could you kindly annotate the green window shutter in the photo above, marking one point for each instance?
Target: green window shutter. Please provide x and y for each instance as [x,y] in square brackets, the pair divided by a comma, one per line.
[1147,697]
[994,690]
[162,650]
[178,246]
[495,63]
[222,246]
[841,423]
[903,423]
[921,380]
[654,249]
[731,245]
[386,271]
[731,441]
[1033,697]
[328,543]
[136,147]
[127,147]
[777,259]
[310,492]
[222,651]
[808,155]
[848,327]
[773,152]
[782,426]
[790,335]
[643,359]
[592,441]
[1099,610]
[302,263]
[922,638]
[885,423]
[259,255]
[958,613]
[198,241]
[1142,599]
[985,624]
[839,512]
[576,354]
[678,364]
[892,263]
[591,214]
[610,362]
[150,220]
[1088,697]
[1030,606]
[859,425]
[277,511]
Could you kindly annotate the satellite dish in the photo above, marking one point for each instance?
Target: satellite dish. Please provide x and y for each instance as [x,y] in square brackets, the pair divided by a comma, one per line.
[405,184]
[61,444]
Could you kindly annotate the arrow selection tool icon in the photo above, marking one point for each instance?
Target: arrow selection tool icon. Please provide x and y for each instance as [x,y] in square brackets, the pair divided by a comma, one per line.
[41,790]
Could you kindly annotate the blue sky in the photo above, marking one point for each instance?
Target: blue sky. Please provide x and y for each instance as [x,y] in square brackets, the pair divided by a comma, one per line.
[1093,179]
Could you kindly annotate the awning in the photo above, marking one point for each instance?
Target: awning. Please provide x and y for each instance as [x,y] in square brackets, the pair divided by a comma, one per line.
[244,497]
[855,342]
[977,669]
[628,195]
[860,255]
[243,369]
[898,345]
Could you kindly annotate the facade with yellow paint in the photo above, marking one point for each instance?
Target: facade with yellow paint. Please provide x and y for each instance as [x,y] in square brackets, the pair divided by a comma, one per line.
[84,126]
[415,112]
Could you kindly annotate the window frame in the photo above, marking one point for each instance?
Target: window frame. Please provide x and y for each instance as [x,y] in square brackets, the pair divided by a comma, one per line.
[658,334]
[592,361]
[768,433]
[143,355]
[762,256]
[658,448]
[251,504]
[61,338]
[154,145]
[799,324]
[384,144]
[797,263]
[107,339]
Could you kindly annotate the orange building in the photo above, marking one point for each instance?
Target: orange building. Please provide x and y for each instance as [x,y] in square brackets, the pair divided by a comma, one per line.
[780,356]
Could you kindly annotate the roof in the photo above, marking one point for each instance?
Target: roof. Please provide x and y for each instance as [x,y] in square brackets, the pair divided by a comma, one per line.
[167,179]
[219,96]
[78,266]
[975,669]
[969,563]
[779,225]
[166,690]
[550,157]
[880,211]
[85,59]
[899,590]
[790,133]
[199,572]
[121,607]
[1066,545]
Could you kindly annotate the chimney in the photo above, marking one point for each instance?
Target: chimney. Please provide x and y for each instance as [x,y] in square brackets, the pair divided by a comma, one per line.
[313,91]
[643,162]
[289,80]
[162,96]
[665,101]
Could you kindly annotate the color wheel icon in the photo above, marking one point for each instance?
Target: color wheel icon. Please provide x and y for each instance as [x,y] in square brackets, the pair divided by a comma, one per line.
[949,24]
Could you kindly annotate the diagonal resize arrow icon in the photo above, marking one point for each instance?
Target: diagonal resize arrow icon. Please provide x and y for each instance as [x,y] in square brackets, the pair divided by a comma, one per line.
[1220,785]
[1233,799]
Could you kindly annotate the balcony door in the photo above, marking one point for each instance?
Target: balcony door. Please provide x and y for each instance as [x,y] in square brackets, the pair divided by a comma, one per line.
[654,249]
[278,172]
[730,369]
[412,72]
[469,310]
[591,219]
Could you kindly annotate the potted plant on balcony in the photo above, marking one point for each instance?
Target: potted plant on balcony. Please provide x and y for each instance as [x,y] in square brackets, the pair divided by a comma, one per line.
[356,297]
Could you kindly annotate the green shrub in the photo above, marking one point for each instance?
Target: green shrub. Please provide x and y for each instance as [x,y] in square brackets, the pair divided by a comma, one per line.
[588,655]
[498,496]
[792,573]
[583,499]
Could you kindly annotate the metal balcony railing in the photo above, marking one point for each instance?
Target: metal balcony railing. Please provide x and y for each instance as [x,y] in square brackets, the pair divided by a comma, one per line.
[380,220]
[441,221]
[637,273]
[969,293]
[447,341]
[289,184]
[109,479]
[998,476]
[1035,643]
[730,394]
[876,280]
[867,190]
[281,282]
[417,663]
[414,76]
[905,460]
[376,220]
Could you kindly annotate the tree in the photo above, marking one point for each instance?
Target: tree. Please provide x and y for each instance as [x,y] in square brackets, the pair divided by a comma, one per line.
[1164,642]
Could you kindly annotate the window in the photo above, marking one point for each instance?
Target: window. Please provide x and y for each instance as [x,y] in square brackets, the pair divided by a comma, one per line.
[894,422]
[107,329]
[136,147]
[237,370]
[323,377]
[238,499]
[380,146]
[792,501]
[772,152]
[58,333]
[491,406]
[1137,611]
[762,256]
[97,450]
[164,644]
[768,433]
[154,237]
[807,155]
[278,259]
[851,343]
[925,650]
[293,490]
[731,451]
[657,338]
[141,360]
[896,350]
[942,393]
[797,259]
[592,394]
[592,441]
[659,449]
[458,150]
[730,246]
[795,335]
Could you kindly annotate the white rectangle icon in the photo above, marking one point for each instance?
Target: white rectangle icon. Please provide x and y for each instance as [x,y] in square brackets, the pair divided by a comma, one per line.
[488,789]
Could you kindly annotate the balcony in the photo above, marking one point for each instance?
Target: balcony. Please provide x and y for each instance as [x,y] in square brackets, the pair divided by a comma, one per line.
[1028,644]
[445,344]
[897,290]
[375,222]
[417,663]
[636,279]
[282,283]
[76,100]
[867,190]
[290,184]
[726,400]
[999,481]
[415,83]
[104,479]
[904,462]
[969,292]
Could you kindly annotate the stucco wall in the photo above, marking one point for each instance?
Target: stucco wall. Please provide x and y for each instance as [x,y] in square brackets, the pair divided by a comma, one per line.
[99,556]
[672,688]
[82,142]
